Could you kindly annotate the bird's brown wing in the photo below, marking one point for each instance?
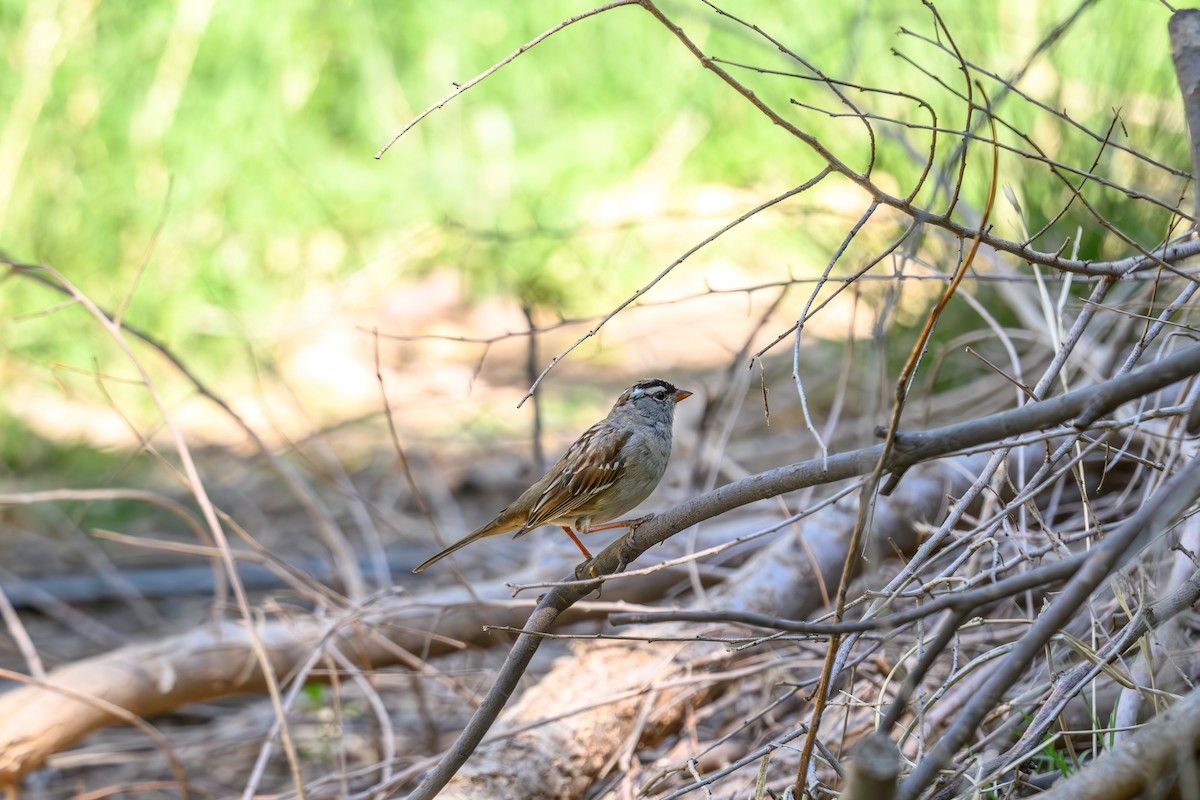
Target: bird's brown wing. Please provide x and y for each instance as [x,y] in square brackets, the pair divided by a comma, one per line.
[586,470]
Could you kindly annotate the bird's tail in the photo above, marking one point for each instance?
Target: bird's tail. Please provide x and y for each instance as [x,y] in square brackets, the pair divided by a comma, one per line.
[490,529]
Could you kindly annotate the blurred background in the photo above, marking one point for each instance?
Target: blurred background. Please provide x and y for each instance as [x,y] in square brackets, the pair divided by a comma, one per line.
[206,169]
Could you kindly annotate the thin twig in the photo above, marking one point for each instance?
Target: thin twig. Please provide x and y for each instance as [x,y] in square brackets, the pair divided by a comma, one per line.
[459,88]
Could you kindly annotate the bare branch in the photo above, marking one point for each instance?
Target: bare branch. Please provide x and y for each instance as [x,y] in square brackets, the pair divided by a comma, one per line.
[1151,520]
[910,449]
[1148,763]
[459,88]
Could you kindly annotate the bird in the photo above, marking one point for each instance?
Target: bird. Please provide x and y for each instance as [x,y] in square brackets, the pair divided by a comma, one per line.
[611,467]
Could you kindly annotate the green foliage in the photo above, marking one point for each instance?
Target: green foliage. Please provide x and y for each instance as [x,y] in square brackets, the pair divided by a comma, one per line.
[1056,758]
[24,453]
[316,695]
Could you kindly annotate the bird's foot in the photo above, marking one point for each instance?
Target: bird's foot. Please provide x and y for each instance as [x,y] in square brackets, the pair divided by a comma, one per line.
[629,549]
[634,524]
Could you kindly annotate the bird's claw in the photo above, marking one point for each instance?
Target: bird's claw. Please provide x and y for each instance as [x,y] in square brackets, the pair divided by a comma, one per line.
[626,555]
[629,551]
[634,524]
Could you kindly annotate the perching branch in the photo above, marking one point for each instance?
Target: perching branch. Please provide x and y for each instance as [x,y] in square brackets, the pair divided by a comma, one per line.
[911,449]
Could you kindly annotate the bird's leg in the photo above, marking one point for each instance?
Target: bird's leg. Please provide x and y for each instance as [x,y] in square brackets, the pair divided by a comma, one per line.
[632,524]
[625,554]
[587,568]
[628,551]
[578,543]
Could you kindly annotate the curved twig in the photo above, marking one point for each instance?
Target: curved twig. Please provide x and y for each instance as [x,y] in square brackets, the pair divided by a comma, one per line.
[459,88]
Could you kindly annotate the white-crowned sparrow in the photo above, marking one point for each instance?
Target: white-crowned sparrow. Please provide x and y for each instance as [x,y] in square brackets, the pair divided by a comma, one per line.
[611,468]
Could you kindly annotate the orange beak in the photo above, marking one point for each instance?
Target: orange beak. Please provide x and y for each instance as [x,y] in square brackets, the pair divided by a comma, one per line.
[682,394]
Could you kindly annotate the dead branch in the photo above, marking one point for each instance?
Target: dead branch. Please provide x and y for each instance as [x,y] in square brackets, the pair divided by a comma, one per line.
[1151,520]
[322,517]
[873,769]
[1149,762]
[1090,403]
[217,660]
[557,760]
[1071,684]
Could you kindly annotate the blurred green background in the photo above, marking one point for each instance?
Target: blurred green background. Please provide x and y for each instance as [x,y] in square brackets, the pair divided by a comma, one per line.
[209,164]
